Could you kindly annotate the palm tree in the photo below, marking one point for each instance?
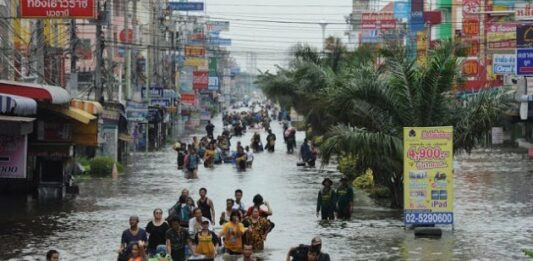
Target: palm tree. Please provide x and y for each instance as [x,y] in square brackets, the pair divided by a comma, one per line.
[377,103]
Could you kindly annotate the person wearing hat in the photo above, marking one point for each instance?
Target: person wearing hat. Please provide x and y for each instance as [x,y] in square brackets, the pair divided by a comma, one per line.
[308,252]
[326,201]
[344,199]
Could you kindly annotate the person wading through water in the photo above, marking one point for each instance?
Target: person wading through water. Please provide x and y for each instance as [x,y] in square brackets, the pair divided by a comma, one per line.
[326,201]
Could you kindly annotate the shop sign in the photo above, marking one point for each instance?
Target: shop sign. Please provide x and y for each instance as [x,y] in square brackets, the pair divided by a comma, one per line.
[501,36]
[471,7]
[13,152]
[188,98]
[200,80]
[471,68]
[428,175]
[186,6]
[523,11]
[195,51]
[473,47]
[378,20]
[370,36]
[471,26]
[524,36]
[64,9]
[503,64]
[155,92]
[217,26]
[197,62]
[524,61]
[213,83]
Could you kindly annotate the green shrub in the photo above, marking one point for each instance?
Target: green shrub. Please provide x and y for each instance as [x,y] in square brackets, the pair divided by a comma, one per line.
[348,167]
[365,181]
[528,252]
[379,192]
[103,166]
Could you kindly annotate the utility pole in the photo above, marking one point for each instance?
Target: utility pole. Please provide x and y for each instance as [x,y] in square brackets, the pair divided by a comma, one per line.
[323,24]
[127,54]
[98,94]
[39,47]
[73,81]
[110,81]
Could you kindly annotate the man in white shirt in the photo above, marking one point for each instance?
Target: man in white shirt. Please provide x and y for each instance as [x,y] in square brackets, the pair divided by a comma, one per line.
[195,223]
[249,157]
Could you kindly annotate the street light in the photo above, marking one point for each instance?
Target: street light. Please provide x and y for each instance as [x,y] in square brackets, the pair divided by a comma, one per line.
[323,24]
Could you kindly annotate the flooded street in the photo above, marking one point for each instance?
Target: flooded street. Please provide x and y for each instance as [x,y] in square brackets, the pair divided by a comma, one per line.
[493,210]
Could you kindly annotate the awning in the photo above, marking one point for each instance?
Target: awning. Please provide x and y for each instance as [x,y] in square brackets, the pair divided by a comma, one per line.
[12,125]
[71,112]
[17,105]
[39,92]
[91,107]
[125,137]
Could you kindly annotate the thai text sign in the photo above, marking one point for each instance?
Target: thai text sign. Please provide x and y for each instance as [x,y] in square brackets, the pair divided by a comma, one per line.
[501,36]
[428,175]
[378,20]
[195,51]
[217,26]
[13,151]
[524,61]
[200,80]
[503,63]
[523,11]
[471,26]
[471,68]
[186,6]
[57,9]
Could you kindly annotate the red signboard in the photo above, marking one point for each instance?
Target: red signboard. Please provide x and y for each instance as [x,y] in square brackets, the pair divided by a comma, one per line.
[188,98]
[57,9]
[200,80]
[378,20]
[126,36]
[195,51]
[471,26]
[432,17]
[471,7]
[471,68]
[473,47]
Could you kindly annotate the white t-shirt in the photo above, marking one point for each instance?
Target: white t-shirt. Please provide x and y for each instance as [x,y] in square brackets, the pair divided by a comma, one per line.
[250,156]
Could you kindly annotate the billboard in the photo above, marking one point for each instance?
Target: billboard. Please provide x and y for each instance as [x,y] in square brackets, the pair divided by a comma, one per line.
[503,64]
[417,16]
[428,175]
[13,150]
[50,9]
[200,80]
[213,83]
[524,36]
[501,35]
[523,11]
[524,61]
[378,20]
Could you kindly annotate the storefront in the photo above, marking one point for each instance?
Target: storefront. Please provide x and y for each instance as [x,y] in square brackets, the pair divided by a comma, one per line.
[14,174]
[86,136]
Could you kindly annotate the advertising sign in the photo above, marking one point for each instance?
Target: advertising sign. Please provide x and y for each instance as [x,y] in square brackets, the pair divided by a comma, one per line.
[471,7]
[523,11]
[503,64]
[217,26]
[213,83]
[200,80]
[49,9]
[402,9]
[13,151]
[195,51]
[197,62]
[501,36]
[220,41]
[471,27]
[188,98]
[471,68]
[186,77]
[428,175]
[370,36]
[186,6]
[378,20]
[417,16]
[524,36]
[524,61]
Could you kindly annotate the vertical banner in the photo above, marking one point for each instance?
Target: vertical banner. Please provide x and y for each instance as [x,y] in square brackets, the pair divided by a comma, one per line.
[428,175]
[200,80]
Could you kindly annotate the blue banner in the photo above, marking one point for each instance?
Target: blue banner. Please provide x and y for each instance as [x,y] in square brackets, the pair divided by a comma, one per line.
[524,61]
[220,41]
[402,10]
[186,6]
[213,83]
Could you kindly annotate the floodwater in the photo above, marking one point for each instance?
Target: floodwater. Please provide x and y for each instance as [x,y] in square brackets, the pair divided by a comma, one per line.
[493,210]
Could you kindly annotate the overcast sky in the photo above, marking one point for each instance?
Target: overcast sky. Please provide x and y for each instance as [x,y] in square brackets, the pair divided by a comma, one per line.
[270,41]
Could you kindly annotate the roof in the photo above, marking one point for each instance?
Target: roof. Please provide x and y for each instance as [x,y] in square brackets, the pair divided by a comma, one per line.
[71,112]
[39,92]
[17,105]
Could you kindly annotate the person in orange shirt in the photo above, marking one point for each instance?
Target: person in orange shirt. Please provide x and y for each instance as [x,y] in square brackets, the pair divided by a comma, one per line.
[232,233]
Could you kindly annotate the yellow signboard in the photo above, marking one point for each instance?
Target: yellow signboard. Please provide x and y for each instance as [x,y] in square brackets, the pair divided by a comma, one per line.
[428,175]
[198,62]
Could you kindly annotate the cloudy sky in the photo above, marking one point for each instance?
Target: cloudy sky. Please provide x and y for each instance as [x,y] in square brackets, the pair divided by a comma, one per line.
[271,40]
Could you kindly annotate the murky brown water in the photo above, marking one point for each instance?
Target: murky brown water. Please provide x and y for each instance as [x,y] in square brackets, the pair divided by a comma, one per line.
[493,211]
